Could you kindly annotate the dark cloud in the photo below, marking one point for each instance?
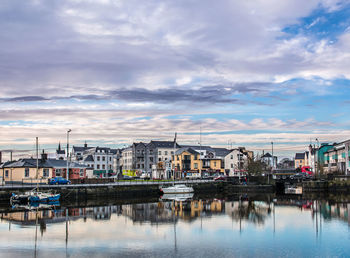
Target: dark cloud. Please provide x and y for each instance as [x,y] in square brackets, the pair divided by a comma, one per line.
[24,99]
[207,95]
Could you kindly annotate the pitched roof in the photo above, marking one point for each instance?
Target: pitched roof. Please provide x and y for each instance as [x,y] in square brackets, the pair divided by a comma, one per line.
[162,144]
[49,163]
[299,155]
[221,152]
[81,149]
[60,151]
[267,155]
[198,147]
[89,158]
[187,149]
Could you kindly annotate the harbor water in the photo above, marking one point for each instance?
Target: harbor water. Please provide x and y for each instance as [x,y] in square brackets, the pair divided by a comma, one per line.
[242,226]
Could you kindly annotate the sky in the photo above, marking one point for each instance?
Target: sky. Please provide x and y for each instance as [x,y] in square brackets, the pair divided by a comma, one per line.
[243,73]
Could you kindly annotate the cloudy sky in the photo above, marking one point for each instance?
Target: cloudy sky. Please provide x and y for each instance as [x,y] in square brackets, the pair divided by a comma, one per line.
[118,71]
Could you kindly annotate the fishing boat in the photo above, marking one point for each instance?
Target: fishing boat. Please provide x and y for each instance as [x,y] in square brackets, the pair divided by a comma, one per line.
[34,196]
[43,197]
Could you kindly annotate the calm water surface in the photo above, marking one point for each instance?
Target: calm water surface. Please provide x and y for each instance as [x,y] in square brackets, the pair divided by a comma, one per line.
[241,226]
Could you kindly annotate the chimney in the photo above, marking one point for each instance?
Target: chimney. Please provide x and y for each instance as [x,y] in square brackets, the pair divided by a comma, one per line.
[43,156]
[85,145]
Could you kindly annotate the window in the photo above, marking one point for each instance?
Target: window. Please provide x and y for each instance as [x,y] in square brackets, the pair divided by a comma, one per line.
[214,163]
[166,153]
[6,173]
[178,158]
[98,158]
[110,167]
[231,165]
[110,158]
[195,165]
[103,166]
[160,159]
[172,153]
[195,157]
[150,165]
[58,172]
[231,156]
[26,172]
[103,158]
[151,159]
[46,172]
[98,166]
[81,173]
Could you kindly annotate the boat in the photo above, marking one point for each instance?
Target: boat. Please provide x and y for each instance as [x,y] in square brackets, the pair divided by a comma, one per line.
[36,205]
[293,190]
[34,196]
[177,197]
[19,198]
[177,189]
[43,197]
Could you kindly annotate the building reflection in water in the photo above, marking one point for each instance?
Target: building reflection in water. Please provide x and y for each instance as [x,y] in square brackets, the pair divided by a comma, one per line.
[169,212]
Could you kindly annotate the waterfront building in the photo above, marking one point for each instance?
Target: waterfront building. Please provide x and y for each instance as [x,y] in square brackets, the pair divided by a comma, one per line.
[336,158]
[25,170]
[103,161]
[236,161]
[147,157]
[268,160]
[188,163]
[301,159]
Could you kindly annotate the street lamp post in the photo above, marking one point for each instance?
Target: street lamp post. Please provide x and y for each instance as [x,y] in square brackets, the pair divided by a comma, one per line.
[318,159]
[273,160]
[67,174]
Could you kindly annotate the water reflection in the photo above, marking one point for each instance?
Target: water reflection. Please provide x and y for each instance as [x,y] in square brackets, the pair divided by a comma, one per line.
[177,220]
[244,209]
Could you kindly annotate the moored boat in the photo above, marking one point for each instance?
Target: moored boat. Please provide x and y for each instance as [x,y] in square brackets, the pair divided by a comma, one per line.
[178,196]
[293,190]
[177,189]
[44,197]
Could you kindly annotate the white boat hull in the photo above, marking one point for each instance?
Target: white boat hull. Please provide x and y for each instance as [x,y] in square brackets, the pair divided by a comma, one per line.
[178,196]
[177,189]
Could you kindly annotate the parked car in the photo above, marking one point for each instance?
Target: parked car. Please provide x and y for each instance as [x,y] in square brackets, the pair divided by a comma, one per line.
[126,177]
[220,178]
[58,180]
[145,176]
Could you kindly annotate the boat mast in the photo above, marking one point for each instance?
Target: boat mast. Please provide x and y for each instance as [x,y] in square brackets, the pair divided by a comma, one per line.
[200,151]
[37,163]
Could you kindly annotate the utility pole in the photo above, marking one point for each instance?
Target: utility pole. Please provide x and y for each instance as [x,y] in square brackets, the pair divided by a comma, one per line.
[11,166]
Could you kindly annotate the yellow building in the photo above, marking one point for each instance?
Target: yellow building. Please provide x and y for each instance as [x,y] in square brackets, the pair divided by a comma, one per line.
[300,160]
[187,162]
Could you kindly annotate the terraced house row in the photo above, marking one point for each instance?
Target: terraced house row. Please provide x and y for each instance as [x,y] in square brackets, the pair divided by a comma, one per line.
[327,158]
